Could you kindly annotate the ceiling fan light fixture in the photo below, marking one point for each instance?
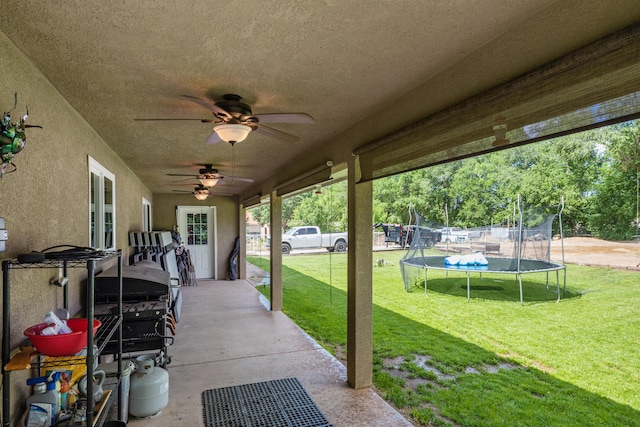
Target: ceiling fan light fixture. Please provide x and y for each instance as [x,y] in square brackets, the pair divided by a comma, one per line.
[232,133]
[208,181]
[201,194]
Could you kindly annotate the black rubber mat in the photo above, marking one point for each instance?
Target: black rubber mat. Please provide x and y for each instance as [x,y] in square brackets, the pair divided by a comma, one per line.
[278,403]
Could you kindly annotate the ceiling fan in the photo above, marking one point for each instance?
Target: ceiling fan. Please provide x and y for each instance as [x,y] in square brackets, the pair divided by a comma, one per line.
[233,120]
[201,192]
[209,176]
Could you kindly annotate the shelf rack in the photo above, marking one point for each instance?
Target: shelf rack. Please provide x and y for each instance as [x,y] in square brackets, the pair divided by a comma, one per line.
[110,325]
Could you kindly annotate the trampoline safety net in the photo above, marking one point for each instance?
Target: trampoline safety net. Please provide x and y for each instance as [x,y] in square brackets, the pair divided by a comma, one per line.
[526,237]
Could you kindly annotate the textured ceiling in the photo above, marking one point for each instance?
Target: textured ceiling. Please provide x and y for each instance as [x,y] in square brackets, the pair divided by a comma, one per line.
[361,69]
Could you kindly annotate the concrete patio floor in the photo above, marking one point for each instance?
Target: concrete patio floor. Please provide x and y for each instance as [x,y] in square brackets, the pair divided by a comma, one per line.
[227,336]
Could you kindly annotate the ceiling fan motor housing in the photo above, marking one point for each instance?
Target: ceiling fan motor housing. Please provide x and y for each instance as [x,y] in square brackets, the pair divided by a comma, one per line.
[208,170]
[232,104]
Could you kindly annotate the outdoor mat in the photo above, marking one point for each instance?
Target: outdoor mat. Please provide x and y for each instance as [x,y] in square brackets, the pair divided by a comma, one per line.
[278,403]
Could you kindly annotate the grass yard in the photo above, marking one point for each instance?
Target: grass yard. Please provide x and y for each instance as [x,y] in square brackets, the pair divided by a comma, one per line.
[443,360]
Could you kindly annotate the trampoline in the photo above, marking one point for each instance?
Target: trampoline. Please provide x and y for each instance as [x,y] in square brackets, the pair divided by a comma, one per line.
[530,237]
[495,265]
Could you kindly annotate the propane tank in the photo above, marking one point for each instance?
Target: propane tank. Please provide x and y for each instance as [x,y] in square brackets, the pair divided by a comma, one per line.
[149,389]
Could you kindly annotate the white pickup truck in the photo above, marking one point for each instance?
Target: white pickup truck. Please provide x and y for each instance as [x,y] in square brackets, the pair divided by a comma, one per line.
[454,235]
[310,237]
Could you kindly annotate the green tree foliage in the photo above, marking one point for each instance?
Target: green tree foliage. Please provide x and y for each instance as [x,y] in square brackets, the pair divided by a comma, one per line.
[546,172]
[325,207]
[262,214]
[479,186]
[614,211]
[482,190]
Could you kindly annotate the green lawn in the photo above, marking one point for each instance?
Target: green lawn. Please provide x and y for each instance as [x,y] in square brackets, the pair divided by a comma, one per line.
[443,360]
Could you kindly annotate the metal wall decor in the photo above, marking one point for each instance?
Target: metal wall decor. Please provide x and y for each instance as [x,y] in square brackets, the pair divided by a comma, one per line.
[12,138]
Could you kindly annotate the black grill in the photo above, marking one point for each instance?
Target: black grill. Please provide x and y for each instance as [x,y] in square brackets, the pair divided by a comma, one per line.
[145,294]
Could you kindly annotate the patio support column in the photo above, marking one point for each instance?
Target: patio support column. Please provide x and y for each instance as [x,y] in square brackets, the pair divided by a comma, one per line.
[242,233]
[276,252]
[359,294]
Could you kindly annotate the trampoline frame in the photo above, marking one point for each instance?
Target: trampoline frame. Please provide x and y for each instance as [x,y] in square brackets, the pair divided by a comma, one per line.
[474,269]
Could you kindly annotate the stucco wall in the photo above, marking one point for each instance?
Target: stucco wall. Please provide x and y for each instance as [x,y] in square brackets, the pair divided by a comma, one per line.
[164,218]
[46,201]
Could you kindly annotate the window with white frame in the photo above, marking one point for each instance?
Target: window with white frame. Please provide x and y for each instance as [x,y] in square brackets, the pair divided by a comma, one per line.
[102,207]
[146,215]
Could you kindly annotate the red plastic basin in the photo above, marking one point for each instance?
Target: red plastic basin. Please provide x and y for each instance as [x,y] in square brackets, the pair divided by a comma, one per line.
[61,345]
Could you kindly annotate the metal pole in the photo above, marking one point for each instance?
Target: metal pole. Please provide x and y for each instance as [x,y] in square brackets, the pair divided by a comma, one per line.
[120,393]
[91,266]
[425,281]
[468,287]
[519,241]
[520,281]
[65,291]
[6,343]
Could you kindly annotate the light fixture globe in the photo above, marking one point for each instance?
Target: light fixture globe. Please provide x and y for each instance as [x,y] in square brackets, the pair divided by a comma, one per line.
[209,181]
[201,194]
[232,133]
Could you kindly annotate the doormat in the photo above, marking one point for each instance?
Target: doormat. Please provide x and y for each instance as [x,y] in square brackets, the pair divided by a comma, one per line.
[277,403]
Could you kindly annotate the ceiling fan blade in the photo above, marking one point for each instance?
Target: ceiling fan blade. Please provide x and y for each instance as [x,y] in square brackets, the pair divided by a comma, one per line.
[183,174]
[274,133]
[220,194]
[209,106]
[228,178]
[155,120]
[213,138]
[284,118]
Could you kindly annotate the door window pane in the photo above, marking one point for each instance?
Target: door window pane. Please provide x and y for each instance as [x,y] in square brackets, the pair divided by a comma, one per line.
[108,213]
[197,230]
[102,209]
[146,215]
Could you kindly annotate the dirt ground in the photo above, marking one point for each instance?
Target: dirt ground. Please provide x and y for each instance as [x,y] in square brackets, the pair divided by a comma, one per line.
[596,252]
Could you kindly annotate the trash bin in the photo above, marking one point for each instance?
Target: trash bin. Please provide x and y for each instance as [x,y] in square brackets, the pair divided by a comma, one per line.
[111,369]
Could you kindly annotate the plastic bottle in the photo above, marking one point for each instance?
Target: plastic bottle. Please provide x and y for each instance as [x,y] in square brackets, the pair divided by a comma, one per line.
[51,319]
[38,390]
[50,330]
[50,394]
[64,391]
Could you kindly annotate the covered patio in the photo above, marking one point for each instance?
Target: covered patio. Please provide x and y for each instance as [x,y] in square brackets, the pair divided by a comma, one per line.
[227,336]
[125,99]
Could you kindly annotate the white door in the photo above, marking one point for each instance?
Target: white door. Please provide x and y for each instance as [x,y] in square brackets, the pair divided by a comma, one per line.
[197,228]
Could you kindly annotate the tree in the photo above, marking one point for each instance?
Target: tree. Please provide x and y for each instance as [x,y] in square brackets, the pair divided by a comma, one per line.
[326,208]
[262,213]
[614,213]
[565,167]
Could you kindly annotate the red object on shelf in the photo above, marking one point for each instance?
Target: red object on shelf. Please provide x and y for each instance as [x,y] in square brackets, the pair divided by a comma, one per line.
[61,345]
